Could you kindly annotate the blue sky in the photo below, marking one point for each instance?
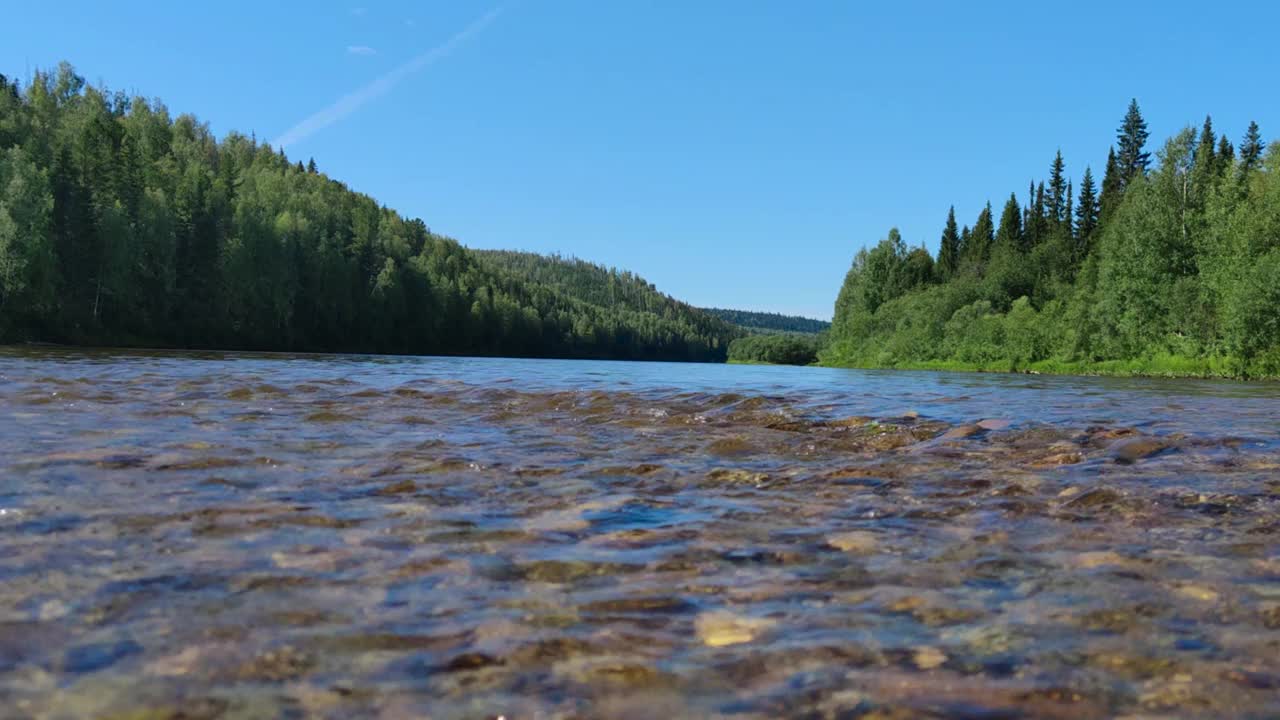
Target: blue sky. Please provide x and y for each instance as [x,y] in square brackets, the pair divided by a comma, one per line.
[735,153]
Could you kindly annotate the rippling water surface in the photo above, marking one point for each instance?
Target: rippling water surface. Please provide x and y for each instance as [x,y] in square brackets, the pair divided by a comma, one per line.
[201,536]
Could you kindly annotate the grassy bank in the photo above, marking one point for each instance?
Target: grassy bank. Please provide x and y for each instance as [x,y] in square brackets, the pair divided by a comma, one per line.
[1164,366]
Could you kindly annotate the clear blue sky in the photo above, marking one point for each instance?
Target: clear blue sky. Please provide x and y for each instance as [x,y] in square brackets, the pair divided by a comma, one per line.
[735,153]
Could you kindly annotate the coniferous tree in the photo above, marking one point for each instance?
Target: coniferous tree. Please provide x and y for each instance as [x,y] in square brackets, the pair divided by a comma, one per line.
[1009,234]
[1036,229]
[1056,200]
[1086,219]
[949,247]
[1068,214]
[1112,188]
[1226,154]
[981,238]
[1251,149]
[311,166]
[1205,165]
[1131,157]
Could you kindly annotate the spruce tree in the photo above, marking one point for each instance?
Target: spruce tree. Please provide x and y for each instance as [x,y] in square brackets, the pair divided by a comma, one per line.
[1226,154]
[981,237]
[311,166]
[966,239]
[1009,235]
[1086,214]
[1112,188]
[1250,150]
[949,247]
[1068,212]
[1036,229]
[1204,168]
[1056,199]
[1131,139]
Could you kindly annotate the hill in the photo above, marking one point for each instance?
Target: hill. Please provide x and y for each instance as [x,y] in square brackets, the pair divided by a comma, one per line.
[765,322]
[123,225]
[620,291]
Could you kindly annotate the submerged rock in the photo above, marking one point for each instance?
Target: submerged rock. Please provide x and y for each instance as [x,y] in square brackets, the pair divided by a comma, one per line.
[854,541]
[1131,450]
[721,627]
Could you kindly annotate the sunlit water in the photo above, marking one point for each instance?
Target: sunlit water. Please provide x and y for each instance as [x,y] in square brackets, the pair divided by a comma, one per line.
[199,536]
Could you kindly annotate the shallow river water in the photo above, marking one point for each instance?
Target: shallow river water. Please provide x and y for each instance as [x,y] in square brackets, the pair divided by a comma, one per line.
[243,536]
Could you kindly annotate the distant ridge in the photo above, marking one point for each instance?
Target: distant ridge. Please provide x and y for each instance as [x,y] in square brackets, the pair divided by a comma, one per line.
[767,322]
[614,291]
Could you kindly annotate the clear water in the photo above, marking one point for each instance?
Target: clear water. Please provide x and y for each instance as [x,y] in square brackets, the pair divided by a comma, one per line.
[246,535]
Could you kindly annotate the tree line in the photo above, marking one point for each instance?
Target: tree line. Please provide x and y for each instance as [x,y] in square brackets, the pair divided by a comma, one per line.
[620,290]
[123,225]
[1170,265]
[768,322]
[776,349]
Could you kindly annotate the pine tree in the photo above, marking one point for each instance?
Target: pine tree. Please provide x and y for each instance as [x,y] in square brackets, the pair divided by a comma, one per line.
[1132,138]
[949,247]
[1009,235]
[311,166]
[966,239]
[1056,200]
[1250,150]
[1086,214]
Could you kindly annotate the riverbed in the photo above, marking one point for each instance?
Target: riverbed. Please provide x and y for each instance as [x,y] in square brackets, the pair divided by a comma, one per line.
[251,535]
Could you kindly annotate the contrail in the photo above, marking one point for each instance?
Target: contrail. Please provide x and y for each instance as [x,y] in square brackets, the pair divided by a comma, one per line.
[352,102]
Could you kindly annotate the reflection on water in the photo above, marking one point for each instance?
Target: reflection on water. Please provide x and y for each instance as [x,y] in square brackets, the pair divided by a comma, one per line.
[194,535]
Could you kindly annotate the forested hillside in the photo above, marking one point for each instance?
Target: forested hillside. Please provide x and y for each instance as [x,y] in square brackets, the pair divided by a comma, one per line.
[120,224]
[776,348]
[1170,265]
[650,313]
[766,322]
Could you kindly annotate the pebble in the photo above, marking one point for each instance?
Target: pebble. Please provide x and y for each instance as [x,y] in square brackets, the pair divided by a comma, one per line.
[928,658]
[720,628]
[854,541]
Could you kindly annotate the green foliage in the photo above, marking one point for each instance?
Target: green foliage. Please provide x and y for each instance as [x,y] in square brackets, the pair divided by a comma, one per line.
[1170,270]
[1010,233]
[769,323]
[776,349]
[949,248]
[1132,159]
[1086,220]
[1251,149]
[121,224]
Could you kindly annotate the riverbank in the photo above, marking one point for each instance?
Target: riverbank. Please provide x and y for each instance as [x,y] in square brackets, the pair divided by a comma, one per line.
[1164,366]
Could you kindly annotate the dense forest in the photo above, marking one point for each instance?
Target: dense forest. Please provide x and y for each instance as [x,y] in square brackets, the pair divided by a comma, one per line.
[123,225]
[1170,265]
[624,293]
[776,349]
[767,322]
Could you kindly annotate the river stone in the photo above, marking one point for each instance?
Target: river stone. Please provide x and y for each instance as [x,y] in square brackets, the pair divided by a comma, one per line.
[1197,592]
[961,432]
[721,627]
[1131,450]
[928,658]
[854,541]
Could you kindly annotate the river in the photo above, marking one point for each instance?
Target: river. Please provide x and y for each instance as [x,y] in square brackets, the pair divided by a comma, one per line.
[206,535]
